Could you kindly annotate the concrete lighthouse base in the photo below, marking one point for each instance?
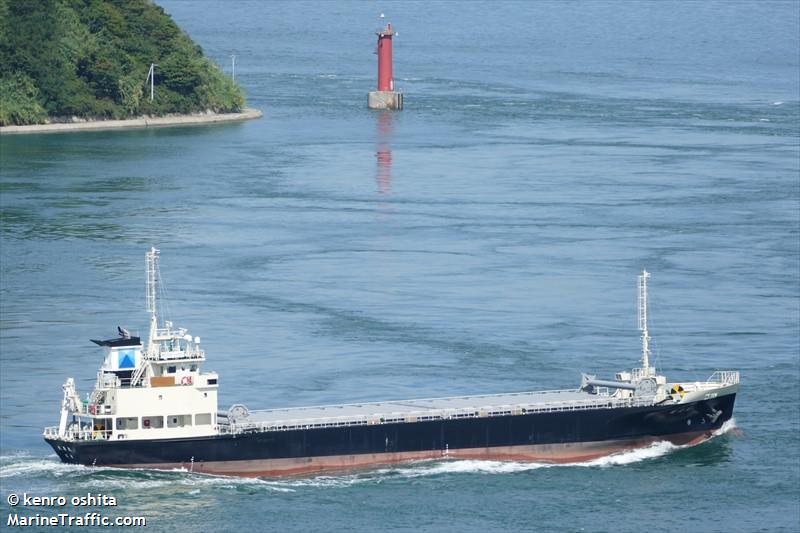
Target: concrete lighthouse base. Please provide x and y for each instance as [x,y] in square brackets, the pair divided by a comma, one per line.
[385,100]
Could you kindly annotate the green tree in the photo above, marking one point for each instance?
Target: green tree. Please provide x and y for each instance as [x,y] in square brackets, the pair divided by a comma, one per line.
[179,73]
[19,101]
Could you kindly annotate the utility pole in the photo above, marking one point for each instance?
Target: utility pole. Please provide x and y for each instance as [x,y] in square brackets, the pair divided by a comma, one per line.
[233,67]
[151,75]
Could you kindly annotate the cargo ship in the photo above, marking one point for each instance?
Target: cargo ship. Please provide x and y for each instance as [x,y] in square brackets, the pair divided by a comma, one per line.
[154,407]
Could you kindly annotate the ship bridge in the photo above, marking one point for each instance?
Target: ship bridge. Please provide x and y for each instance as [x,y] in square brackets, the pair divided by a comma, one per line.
[157,391]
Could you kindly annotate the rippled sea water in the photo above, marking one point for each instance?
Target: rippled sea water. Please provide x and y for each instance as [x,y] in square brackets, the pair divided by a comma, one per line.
[485,239]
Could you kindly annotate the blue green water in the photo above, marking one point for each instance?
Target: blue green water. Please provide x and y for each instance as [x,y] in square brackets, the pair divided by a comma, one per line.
[485,239]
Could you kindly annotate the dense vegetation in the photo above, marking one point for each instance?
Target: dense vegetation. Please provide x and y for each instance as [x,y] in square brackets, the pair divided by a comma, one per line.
[90,58]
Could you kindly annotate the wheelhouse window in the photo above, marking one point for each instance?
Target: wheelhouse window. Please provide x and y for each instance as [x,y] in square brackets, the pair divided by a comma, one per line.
[128,423]
[179,421]
[152,422]
[171,369]
[202,419]
[102,428]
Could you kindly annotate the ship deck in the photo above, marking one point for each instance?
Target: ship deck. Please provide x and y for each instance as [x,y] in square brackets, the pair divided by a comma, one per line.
[418,410]
[456,407]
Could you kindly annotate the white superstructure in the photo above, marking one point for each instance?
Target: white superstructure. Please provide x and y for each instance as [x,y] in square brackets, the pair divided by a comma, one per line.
[145,393]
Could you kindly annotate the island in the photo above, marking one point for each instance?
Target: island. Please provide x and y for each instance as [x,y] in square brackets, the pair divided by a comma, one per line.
[85,65]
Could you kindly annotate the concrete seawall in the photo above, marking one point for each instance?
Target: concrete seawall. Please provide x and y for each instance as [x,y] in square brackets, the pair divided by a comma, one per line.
[140,122]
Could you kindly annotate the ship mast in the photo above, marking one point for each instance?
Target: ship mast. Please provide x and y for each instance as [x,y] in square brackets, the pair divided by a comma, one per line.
[151,267]
[643,322]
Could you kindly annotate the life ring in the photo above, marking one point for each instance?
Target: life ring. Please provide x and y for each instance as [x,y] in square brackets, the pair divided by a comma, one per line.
[677,389]
[186,380]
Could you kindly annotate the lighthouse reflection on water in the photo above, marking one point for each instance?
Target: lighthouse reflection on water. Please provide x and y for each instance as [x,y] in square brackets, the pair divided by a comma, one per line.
[383,156]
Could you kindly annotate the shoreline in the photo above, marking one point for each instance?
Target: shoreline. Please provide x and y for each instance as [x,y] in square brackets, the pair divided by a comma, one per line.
[140,122]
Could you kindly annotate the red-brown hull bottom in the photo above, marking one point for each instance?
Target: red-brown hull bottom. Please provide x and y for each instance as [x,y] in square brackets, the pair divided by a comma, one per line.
[546,453]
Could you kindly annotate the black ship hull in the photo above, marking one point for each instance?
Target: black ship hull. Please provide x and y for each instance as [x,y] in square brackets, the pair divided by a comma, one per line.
[559,436]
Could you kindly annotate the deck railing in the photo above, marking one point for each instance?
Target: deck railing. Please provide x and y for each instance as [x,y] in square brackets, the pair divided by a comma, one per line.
[724,377]
[73,434]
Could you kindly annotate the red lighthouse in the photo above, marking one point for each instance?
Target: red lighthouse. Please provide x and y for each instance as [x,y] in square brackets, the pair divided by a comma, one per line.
[385,97]
[385,80]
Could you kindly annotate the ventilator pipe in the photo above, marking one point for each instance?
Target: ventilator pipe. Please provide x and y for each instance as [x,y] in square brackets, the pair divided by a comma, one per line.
[588,383]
